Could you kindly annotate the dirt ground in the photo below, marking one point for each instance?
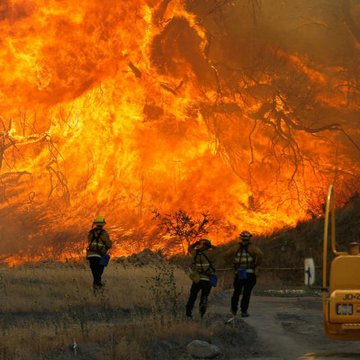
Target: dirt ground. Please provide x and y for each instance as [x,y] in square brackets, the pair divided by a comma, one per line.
[290,328]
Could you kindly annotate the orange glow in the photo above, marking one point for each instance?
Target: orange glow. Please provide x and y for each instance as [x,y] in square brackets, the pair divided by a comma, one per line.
[116,107]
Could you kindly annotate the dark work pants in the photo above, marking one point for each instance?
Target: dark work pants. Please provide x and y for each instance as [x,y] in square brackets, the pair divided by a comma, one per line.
[97,270]
[248,285]
[205,288]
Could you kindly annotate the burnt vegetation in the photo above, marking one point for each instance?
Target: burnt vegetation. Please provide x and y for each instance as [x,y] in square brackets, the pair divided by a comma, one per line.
[268,93]
[183,228]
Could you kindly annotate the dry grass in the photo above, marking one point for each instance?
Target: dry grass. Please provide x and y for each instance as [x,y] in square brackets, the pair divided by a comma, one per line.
[104,341]
[44,308]
[55,288]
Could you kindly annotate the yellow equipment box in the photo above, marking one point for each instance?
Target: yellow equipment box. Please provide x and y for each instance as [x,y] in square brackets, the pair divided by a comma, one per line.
[344,306]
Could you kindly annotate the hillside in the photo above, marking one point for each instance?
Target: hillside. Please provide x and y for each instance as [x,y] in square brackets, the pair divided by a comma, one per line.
[287,248]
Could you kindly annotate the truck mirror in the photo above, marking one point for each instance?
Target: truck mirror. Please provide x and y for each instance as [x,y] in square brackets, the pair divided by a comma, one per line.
[309,268]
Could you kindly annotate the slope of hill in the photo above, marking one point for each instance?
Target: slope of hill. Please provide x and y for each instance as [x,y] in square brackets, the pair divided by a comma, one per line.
[287,248]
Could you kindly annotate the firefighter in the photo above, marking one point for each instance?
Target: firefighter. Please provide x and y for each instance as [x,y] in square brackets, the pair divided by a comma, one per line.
[202,276]
[245,258]
[98,245]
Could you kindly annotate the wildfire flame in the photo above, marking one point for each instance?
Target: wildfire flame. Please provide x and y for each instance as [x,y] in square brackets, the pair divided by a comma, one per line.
[123,107]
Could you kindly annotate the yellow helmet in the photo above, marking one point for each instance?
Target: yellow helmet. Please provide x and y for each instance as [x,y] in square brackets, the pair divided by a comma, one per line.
[99,220]
[245,235]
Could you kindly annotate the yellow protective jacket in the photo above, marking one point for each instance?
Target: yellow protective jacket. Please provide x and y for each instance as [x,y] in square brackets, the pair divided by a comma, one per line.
[234,255]
[202,264]
[98,242]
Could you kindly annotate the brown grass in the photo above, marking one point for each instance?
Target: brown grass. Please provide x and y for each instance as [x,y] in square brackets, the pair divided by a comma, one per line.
[44,308]
[55,288]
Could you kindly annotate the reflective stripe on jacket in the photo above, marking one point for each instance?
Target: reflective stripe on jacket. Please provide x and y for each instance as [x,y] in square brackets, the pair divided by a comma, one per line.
[201,263]
[256,254]
[203,266]
[245,260]
[98,242]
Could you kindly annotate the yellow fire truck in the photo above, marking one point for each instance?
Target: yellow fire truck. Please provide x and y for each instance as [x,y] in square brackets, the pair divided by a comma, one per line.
[340,283]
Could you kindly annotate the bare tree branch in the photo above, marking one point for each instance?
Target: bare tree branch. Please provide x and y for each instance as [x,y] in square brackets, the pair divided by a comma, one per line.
[183,226]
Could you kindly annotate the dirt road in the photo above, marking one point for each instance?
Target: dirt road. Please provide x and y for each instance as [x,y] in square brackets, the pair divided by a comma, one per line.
[291,328]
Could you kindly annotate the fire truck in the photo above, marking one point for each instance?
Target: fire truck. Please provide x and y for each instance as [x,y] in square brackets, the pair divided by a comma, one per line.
[340,282]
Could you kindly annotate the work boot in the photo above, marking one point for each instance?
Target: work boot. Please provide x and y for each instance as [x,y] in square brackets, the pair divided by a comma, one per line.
[245,314]
[202,310]
[188,312]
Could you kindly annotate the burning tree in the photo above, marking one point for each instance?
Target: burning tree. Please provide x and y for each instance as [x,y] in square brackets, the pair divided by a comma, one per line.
[245,108]
[184,227]
[283,97]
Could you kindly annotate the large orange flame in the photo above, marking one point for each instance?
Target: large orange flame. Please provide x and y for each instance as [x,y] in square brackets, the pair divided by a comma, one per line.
[118,108]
